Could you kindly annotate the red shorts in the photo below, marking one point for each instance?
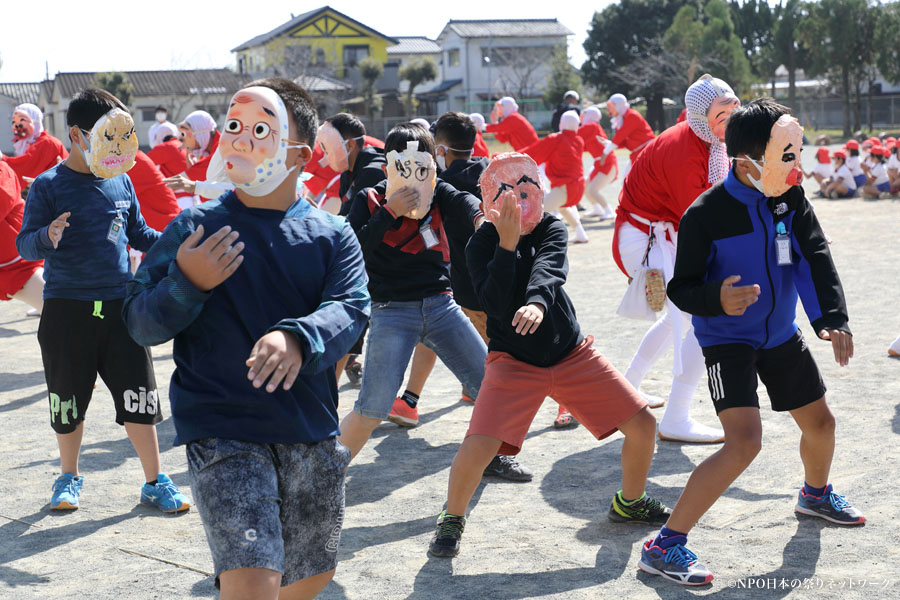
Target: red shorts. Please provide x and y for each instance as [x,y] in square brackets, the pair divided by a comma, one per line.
[584,382]
[13,277]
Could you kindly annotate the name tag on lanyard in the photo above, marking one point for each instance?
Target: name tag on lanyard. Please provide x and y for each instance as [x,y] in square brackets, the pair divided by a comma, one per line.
[115,228]
[427,234]
[782,246]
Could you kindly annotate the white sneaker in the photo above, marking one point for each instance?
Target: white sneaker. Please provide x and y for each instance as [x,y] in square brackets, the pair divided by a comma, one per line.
[596,211]
[33,313]
[609,214]
[580,237]
[690,431]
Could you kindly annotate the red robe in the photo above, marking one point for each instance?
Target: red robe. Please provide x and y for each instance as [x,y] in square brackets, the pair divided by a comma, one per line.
[326,177]
[158,203]
[481,149]
[672,172]
[44,153]
[514,130]
[14,270]
[682,116]
[197,171]
[169,157]
[562,153]
[589,134]
[634,133]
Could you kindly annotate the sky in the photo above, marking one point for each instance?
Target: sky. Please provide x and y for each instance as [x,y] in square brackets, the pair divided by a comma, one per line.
[139,36]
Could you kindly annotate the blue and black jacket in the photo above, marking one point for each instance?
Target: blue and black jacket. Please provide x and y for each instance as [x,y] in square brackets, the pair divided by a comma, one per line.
[730,230]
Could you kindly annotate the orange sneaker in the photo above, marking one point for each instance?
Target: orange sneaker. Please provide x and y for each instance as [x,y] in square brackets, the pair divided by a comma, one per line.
[403,415]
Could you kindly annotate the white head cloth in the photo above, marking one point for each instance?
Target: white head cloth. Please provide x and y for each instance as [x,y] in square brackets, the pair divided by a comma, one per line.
[571,93]
[590,115]
[202,126]
[509,105]
[422,122]
[160,131]
[621,104]
[37,120]
[479,121]
[569,121]
[698,98]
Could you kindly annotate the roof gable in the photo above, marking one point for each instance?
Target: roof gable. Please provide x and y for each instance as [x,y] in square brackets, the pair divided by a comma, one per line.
[321,22]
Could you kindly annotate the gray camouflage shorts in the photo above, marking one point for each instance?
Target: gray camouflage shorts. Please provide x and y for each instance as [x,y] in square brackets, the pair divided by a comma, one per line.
[270,506]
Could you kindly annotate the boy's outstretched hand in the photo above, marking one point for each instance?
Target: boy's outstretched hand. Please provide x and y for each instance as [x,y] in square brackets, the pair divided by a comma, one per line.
[507,221]
[735,300]
[57,227]
[212,262]
[528,318]
[277,354]
[841,343]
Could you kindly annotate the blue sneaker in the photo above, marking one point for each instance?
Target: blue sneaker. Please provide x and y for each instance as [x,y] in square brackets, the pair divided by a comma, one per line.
[676,563]
[66,490]
[164,495]
[829,506]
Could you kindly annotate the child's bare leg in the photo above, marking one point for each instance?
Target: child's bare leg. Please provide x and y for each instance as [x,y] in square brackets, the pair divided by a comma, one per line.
[637,452]
[422,364]
[69,449]
[816,441]
[474,455]
[743,439]
[143,438]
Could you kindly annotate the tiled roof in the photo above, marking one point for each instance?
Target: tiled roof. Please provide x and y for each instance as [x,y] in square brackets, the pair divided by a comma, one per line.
[441,87]
[321,83]
[298,20]
[161,83]
[414,45]
[508,28]
[21,92]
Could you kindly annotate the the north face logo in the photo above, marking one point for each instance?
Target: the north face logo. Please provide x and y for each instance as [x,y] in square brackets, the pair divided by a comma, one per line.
[781,208]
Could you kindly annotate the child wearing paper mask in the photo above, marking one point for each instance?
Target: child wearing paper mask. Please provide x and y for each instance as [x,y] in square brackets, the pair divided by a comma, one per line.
[606,166]
[400,225]
[361,165]
[768,239]
[481,148]
[509,126]
[199,138]
[36,150]
[518,266]
[168,154]
[80,217]
[630,128]
[278,289]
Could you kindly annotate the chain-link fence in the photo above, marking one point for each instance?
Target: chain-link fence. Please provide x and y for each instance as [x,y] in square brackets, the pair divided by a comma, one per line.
[828,113]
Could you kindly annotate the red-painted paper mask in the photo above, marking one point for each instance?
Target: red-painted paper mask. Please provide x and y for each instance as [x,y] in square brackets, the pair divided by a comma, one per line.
[519,174]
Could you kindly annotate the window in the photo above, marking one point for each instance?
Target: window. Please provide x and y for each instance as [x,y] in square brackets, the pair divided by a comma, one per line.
[453,57]
[501,57]
[148,115]
[354,54]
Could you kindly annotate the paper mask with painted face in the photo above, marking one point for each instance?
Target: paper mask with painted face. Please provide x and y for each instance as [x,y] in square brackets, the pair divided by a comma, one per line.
[22,126]
[113,144]
[332,144]
[519,174]
[252,151]
[414,169]
[781,163]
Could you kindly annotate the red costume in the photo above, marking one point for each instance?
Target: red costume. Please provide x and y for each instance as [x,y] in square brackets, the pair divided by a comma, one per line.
[672,172]
[169,157]
[589,134]
[14,270]
[634,134]
[326,177]
[158,203]
[481,148]
[562,153]
[682,116]
[514,130]
[197,171]
[43,154]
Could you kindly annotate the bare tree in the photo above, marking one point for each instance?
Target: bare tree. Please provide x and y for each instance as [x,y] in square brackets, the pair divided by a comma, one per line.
[517,71]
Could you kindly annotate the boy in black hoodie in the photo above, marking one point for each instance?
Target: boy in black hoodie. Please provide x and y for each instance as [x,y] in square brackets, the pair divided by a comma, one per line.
[518,266]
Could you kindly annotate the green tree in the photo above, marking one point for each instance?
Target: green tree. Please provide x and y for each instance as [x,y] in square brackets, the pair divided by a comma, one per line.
[624,49]
[369,71]
[115,83]
[887,41]
[708,39]
[562,78]
[832,32]
[754,24]
[786,48]
[416,72]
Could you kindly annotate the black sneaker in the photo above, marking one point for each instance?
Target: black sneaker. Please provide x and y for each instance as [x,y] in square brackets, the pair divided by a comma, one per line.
[354,372]
[447,536]
[508,468]
[643,510]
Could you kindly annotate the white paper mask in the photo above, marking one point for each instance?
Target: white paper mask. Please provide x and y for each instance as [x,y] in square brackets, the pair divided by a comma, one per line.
[332,144]
[414,169]
[113,144]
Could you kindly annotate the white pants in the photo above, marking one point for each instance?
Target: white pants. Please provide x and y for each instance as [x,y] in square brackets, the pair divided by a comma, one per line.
[632,246]
[599,182]
[554,201]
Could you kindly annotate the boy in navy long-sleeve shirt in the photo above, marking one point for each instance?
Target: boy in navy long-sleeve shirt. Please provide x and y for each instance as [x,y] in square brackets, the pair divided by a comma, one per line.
[262,447]
[756,227]
[518,267]
[81,224]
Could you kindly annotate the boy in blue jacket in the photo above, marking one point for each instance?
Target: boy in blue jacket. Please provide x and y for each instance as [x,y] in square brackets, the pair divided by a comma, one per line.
[80,217]
[756,227]
[259,325]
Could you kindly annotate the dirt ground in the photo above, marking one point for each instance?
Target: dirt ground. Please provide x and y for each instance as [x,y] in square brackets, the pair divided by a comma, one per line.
[549,538]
